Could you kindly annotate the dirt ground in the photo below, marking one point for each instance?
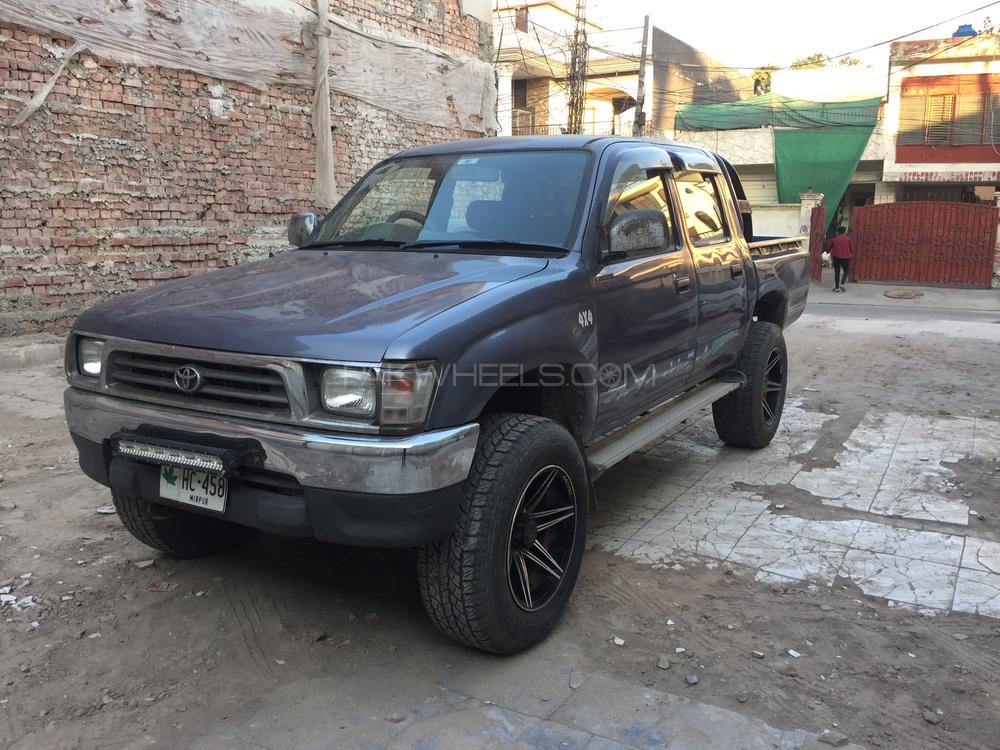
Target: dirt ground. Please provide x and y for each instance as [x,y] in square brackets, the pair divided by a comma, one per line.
[312,645]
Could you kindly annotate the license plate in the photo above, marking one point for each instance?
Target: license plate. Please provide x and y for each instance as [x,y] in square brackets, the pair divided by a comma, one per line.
[193,487]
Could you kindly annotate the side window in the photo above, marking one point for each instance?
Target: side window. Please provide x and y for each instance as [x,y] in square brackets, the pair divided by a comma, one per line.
[632,190]
[703,215]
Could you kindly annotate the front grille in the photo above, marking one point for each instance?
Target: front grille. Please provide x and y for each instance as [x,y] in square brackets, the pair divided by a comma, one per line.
[224,387]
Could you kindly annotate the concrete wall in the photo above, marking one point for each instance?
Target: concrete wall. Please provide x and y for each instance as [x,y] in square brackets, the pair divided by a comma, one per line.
[131,175]
[683,74]
[776,220]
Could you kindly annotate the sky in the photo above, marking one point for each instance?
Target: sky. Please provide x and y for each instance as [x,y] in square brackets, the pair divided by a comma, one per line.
[744,34]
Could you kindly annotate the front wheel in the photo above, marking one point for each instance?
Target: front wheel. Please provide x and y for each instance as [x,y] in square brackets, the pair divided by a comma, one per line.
[502,578]
[749,416]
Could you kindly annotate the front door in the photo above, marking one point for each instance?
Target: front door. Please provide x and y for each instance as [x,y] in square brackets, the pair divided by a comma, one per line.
[646,309]
[721,263]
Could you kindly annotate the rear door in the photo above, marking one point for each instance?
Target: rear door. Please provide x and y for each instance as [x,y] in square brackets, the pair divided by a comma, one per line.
[721,266]
[646,309]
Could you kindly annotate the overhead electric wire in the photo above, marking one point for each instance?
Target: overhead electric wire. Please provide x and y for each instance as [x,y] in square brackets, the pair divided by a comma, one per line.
[825,59]
[662,97]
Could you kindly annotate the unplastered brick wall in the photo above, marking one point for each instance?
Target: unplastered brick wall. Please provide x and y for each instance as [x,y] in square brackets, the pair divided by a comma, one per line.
[437,22]
[130,176]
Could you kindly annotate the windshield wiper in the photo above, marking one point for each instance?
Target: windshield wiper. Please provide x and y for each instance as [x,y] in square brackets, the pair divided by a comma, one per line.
[394,244]
[485,244]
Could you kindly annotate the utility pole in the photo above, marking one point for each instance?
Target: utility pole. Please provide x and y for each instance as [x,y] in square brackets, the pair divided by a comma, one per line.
[639,123]
[578,70]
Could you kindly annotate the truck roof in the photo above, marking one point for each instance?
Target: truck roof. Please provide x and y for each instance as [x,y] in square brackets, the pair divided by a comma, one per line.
[691,156]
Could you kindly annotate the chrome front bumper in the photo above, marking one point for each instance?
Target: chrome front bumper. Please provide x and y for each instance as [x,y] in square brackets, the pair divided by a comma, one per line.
[373,464]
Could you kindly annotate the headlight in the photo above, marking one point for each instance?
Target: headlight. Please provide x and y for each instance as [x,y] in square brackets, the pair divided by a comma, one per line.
[406,393]
[88,356]
[349,391]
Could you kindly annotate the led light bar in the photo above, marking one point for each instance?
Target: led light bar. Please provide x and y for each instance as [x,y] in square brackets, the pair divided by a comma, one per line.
[170,456]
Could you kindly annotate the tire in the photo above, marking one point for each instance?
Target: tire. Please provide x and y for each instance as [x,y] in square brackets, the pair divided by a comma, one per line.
[749,416]
[177,532]
[492,584]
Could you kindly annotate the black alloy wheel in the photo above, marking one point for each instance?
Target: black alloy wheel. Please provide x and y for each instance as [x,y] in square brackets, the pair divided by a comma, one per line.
[773,394]
[542,538]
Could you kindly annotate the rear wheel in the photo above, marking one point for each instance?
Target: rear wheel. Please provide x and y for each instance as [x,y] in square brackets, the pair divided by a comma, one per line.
[502,578]
[177,532]
[749,416]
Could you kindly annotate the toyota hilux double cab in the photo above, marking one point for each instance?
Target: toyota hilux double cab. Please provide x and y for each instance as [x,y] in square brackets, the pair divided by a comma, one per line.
[447,360]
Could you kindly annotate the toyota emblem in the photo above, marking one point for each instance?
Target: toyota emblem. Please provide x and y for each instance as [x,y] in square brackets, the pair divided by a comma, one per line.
[187,379]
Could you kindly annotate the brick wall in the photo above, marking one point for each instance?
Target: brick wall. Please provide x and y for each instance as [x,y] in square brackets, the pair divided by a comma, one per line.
[130,176]
[436,22]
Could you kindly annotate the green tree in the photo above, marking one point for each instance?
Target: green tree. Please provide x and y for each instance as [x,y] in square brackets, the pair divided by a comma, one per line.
[849,61]
[815,60]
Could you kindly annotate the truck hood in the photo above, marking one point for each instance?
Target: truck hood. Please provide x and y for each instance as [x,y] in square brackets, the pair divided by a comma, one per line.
[340,305]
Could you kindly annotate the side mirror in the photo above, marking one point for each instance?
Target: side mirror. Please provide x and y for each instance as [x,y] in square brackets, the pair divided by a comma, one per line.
[637,232]
[300,227]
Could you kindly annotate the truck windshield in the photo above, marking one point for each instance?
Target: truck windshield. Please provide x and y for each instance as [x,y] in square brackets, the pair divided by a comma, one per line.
[523,198]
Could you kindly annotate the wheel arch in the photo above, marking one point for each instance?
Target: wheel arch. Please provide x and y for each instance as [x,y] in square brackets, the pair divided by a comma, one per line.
[772,307]
[552,390]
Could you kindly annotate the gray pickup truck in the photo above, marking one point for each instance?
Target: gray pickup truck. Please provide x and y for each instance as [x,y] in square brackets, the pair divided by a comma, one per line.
[448,360]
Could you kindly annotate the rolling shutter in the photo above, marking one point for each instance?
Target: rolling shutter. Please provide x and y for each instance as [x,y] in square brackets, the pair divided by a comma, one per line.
[940,120]
[991,127]
[969,120]
[911,121]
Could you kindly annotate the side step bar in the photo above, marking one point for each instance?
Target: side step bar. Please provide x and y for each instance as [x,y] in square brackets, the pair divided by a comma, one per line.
[621,443]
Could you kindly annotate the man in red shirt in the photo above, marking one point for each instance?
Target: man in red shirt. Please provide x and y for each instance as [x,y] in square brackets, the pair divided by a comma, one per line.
[841,252]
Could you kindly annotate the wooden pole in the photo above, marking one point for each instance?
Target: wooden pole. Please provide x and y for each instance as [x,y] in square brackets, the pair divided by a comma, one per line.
[325,187]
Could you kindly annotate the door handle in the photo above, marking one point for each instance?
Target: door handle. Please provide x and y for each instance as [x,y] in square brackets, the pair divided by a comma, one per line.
[682,284]
[736,270]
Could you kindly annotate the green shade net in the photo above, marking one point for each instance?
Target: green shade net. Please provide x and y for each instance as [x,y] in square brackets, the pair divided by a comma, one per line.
[777,111]
[819,159]
[817,145]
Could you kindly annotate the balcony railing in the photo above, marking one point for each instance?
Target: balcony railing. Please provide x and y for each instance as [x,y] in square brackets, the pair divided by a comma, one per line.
[595,128]
[589,128]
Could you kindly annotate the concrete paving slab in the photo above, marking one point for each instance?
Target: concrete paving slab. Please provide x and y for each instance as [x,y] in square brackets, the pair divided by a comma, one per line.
[931,297]
[842,533]
[902,579]
[986,440]
[912,543]
[980,554]
[488,728]
[789,555]
[890,464]
[648,719]
[515,682]
[978,591]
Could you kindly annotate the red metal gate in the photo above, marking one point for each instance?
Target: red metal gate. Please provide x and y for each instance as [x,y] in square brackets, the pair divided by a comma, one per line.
[925,242]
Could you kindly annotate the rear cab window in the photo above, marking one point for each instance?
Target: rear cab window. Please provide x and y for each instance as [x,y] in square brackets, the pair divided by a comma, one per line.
[700,199]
